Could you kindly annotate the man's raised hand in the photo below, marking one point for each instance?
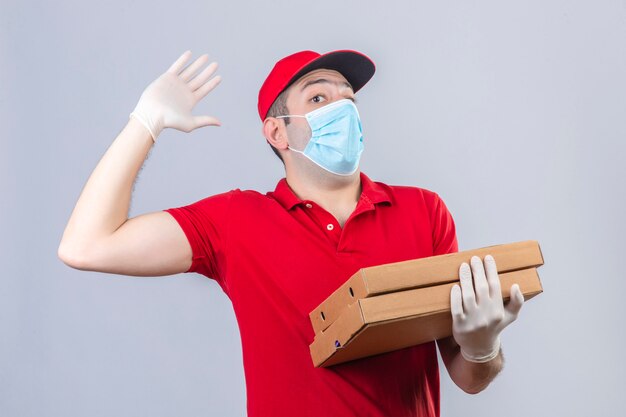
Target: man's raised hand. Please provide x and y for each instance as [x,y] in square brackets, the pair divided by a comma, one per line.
[169,100]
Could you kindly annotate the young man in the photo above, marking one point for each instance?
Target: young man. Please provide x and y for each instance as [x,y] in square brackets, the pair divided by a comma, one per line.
[278,255]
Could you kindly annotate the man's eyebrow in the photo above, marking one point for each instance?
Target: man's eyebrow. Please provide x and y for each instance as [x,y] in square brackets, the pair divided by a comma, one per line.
[324,80]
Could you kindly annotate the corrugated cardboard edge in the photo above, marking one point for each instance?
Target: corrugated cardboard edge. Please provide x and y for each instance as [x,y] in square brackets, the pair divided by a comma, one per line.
[343,329]
[367,283]
[364,315]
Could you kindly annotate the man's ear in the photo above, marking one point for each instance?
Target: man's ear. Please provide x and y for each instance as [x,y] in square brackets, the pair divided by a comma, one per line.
[275,132]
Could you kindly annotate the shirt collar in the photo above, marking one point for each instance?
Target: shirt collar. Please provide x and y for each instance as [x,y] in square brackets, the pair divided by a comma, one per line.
[371,191]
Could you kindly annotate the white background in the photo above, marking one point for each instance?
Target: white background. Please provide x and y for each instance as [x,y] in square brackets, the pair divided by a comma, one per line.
[514,112]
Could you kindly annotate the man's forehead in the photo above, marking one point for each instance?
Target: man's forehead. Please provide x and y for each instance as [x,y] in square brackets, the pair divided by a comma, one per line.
[318,75]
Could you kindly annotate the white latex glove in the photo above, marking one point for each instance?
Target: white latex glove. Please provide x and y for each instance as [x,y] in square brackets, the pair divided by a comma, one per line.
[168,100]
[478,312]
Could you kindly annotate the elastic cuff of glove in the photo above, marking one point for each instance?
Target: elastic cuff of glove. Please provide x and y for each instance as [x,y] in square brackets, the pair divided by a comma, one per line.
[484,358]
[146,125]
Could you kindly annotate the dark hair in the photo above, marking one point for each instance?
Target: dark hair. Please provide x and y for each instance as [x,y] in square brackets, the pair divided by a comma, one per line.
[279,108]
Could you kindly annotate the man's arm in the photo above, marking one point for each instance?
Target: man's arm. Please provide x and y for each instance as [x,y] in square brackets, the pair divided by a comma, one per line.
[99,236]
[471,377]
[472,355]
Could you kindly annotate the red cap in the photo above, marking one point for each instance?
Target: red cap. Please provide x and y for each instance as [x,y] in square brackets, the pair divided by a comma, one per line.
[356,67]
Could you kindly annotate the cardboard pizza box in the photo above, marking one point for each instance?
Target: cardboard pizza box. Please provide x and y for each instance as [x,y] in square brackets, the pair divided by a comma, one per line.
[417,273]
[392,321]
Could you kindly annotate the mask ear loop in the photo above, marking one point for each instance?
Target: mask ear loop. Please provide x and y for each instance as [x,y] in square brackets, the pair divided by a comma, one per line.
[295,150]
[291,115]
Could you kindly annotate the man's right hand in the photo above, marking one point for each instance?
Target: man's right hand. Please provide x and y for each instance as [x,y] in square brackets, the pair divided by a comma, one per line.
[169,100]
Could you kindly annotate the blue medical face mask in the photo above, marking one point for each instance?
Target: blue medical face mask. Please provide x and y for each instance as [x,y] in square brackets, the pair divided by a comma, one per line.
[336,140]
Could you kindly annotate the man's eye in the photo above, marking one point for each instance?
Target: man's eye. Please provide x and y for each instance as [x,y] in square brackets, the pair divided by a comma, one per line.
[315,98]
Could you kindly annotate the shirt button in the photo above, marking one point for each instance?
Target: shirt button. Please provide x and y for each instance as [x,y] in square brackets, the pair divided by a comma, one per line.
[309,205]
[330,226]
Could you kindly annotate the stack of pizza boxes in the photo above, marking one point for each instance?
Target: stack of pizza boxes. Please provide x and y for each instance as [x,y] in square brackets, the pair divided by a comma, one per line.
[388,307]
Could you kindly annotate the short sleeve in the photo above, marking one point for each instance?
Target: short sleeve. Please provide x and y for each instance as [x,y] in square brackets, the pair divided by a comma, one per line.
[206,224]
[443,229]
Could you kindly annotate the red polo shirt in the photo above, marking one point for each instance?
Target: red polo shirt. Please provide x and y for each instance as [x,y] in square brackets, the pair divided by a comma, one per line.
[278,257]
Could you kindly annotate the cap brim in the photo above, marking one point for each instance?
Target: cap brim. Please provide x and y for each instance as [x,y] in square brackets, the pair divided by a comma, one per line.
[357,68]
